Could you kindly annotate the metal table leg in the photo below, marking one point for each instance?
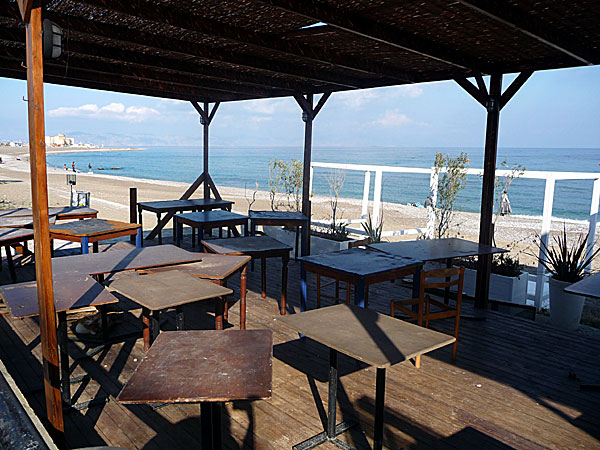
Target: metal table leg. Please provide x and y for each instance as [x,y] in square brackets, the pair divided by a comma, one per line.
[210,420]
[379,409]
[359,292]
[303,288]
[333,430]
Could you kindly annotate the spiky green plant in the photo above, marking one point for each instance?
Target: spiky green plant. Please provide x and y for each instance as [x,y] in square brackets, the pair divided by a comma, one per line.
[372,230]
[563,262]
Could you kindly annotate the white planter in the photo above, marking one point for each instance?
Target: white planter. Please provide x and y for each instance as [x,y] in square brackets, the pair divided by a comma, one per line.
[504,289]
[565,309]
[317,244]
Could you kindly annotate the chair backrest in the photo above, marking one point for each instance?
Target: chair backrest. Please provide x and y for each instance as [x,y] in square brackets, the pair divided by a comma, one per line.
[360,243]
[452,276]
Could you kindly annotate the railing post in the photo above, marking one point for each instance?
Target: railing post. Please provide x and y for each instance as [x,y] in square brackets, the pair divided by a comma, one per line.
[365,200]
[593,220]
[132,209]
[377,196]
[544,237]
[433,191]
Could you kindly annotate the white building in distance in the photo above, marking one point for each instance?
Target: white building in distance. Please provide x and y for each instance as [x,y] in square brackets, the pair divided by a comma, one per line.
[60,140]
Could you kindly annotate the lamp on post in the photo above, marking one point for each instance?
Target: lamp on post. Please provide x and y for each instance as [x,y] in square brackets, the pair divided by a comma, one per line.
[52,40]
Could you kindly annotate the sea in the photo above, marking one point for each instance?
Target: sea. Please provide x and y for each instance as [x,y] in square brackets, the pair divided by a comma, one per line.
[245,166]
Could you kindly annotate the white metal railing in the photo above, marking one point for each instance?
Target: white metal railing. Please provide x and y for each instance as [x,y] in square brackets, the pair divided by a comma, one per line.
[549,177]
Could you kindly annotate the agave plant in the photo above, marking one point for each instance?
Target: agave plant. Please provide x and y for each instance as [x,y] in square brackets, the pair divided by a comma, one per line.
[372,230]
[564,262]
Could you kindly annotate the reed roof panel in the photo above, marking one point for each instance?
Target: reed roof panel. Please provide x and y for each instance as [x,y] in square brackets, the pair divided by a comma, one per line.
[222,50]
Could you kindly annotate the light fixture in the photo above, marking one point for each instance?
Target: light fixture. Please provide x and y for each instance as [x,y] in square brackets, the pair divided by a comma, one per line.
[202,121]
[304,116]
[52,41]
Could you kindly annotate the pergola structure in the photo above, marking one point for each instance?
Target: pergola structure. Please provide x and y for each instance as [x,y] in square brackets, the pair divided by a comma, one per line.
[213,51]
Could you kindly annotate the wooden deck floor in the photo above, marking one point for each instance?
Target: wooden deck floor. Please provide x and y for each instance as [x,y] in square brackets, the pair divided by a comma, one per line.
[509,387]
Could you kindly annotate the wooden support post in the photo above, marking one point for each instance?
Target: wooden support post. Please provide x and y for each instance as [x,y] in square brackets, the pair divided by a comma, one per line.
[205,125]
[484,263]
[309,112]
[41,224]
[132,209]
[493,101]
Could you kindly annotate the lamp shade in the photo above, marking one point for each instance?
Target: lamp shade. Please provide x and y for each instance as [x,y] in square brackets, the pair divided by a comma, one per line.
[53,35]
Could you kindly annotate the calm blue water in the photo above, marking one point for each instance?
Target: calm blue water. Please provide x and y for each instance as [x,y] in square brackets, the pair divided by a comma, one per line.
[244,166]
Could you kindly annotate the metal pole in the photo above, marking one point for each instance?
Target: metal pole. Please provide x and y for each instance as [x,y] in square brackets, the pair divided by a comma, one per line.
[487,192]
[41,224]
[308,123]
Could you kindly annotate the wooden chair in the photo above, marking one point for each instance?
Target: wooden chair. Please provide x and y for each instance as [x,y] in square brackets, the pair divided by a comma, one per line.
[453,277]
[338,286]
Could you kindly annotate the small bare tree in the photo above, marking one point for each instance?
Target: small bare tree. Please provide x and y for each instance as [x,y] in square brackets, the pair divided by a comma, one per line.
[251,199]
[276,179]
[452,177]
[335,179]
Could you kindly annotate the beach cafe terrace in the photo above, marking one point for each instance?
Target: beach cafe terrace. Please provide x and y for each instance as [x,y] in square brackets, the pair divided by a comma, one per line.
[513,384]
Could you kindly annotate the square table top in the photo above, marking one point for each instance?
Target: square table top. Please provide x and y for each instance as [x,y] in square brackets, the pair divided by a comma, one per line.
[20,222]
[207,217]
[436,249]
[69,293]
[360,261]
[589,286]
[8,235]
[92,227]
[163,290]
[246,245]
[290,216]
[366,335]
[212,266]
[203,366]
[119,260]
[175,205]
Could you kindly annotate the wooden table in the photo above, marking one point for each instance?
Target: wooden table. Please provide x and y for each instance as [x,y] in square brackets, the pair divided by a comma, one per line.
[257,247]
[13,236]
[174,206]
[437,250]
[360,267]
[370,337]
[156,292]
[218,269]
[21,222]
[278,218]
[207,367]
[95,230]
[60,212]
[70,294]
[99,264]
[209,219]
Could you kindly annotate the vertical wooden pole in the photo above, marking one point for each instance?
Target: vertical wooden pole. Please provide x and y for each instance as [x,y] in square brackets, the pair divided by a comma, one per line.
[205,125]
[487,193]
[39,196]
[308,123]
[132,209]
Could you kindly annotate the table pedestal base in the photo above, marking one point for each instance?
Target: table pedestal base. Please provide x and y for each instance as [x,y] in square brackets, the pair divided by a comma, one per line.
[210,421]
[333,430]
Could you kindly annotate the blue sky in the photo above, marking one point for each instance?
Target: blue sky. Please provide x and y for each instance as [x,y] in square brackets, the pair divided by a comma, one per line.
[558,108]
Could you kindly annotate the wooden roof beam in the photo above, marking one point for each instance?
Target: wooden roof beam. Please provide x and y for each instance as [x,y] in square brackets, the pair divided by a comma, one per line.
[158,13]
[362,26]
[510,16]
[25,9]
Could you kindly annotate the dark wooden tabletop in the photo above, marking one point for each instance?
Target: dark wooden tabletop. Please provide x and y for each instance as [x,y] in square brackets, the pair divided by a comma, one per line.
[589,286]
[366,335]
[69,293]
[91,227]
[360,261]
[14,234]
[290,216]
[64,211]
[203,366]
[163,290]
[119,260]
[20,222]
[164,206]
[212,266]
[246,245]
[208,217]
[436,249]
